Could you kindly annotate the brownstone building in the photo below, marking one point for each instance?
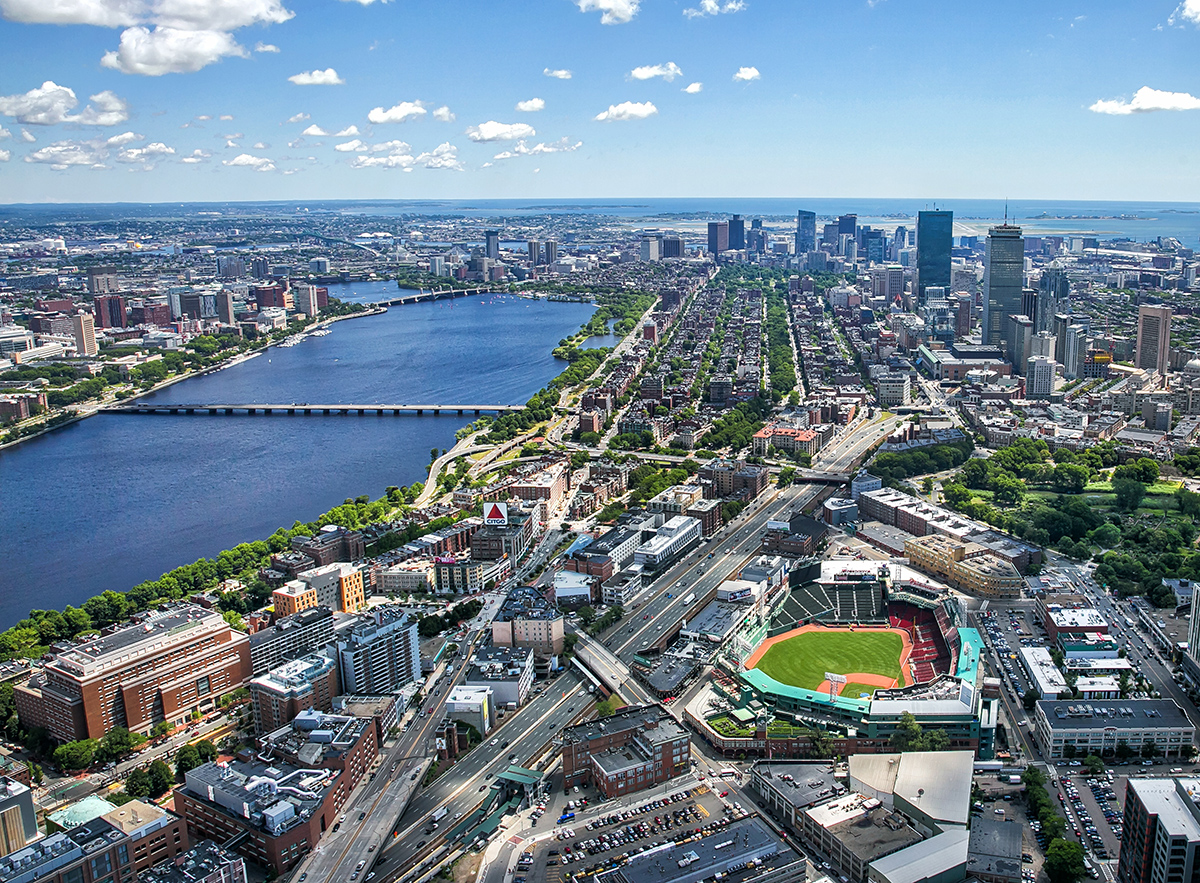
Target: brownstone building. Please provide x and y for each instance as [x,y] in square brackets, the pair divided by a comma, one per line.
[161,666]
[638,747]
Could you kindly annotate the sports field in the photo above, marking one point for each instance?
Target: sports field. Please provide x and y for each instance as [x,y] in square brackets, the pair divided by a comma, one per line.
[869,658]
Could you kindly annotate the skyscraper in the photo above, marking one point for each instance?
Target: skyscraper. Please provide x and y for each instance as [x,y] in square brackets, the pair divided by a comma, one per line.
[935,235]
[1039,379]
[535,252]
[1003,279]
[848,224]
[737,233]
[1019,342]
[84,328]
[225,307]
[964,308]
[551,251]
[109,310]
[806,232]
[492,244]
[1153,337]
[718,237]
[102,280]
[1054,290]
[1029,304]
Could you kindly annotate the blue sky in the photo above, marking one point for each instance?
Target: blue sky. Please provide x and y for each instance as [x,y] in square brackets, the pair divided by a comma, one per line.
[162,100]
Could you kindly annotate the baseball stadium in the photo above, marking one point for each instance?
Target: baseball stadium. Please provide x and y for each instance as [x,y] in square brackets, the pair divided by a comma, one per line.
[848,650]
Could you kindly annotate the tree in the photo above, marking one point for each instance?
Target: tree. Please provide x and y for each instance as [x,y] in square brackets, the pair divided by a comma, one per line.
[587,615]
[1031,698]
[1150,750]
[927,485]
[908,735]
[1094,765]
[76,755]
[118,742]
[161,778]
[606,707]
[235,620]
[1070,478]
[1069,751]
[139,784]
[1188,502]
[1064,862]
[186,758]
[1129,493]
[1123,751]
[161,729]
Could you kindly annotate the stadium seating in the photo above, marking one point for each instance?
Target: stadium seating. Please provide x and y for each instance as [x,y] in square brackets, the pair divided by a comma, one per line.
[934,638]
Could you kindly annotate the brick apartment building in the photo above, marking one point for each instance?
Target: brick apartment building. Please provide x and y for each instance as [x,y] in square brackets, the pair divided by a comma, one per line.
[638,747]
[332,543]
[163,665]
[281,694]
[339,586]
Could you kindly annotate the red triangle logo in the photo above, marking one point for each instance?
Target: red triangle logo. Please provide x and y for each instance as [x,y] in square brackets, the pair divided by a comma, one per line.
[494,512]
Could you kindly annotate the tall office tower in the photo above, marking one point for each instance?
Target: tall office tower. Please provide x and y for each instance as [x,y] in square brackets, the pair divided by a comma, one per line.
[84,330]
[1003,279]
[492,244]
[109,310]
[935,236]
[306,300]
[849,248]
[319,266]
[899,239]
[1153,338]
[1039,378]
[1054,290]
[651,248]
[535,252]
[232,267]
[718,237]
[1160,839]
[1042,346]
[260,268]
[848,224]
[806,232]
[964,279]
[102,280]
[964,307]
[829,235]
[551,251]
[737,233]
[225,307]
[672,247]
[757,239]
[874,246]
[1074,350]
[1019,341]
[1029,304]
[887,282]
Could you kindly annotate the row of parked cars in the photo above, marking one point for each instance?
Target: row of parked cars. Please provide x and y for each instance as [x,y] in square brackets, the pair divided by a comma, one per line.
[1087,833]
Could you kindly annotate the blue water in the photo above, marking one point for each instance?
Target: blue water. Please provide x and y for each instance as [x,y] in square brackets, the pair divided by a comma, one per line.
[114,500]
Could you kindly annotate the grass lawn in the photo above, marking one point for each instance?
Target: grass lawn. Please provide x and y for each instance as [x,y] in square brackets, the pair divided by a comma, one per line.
[852,690]
[803,660]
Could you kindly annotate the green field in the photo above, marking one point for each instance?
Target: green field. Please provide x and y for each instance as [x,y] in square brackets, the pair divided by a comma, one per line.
[803,660]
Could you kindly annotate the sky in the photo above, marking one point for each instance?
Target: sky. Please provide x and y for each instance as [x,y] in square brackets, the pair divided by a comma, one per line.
[197,100]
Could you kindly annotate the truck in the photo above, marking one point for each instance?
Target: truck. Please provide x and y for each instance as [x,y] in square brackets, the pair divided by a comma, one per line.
[691,596]
[439,814]
[1014,780]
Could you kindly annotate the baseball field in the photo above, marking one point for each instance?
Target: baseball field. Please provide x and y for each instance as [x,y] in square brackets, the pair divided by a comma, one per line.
[869,658]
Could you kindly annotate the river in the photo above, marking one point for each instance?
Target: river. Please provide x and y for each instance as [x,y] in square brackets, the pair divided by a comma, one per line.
[114,500]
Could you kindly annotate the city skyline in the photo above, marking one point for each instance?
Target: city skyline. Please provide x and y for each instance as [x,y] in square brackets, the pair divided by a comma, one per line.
[124,100]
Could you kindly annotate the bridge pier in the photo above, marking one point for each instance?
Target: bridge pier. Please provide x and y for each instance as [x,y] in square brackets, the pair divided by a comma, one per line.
[268,411]
[396,411]
[420,413]
[476,412]
[325,411]
[229,410]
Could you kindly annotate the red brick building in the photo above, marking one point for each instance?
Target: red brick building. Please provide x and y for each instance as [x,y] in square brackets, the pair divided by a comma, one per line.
[638,747]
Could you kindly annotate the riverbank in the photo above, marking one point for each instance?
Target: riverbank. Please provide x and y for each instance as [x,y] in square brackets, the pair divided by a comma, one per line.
[91,409]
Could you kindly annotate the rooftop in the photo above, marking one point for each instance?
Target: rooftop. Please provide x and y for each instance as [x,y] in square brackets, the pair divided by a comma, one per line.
[198,863]
[801,783]
[741,845]
[658,722]
[1078,618]
[935,783]
[1123,713]
[1173,801]
[717,619]
[526,602]
[864,827]
[995,847]
[925,861]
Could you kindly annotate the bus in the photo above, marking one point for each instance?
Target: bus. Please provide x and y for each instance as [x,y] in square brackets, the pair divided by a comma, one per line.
[727,773]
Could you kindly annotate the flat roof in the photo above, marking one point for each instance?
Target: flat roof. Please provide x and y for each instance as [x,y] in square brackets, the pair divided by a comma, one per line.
[632,718]
[1098,714]
[1077,618]
[810,783]
[995,847]
[926,860]
[717,619]
[1168,799]
[735,845]
[864,827]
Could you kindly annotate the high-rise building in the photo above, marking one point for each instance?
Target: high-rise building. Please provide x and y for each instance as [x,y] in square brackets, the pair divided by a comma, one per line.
[1153,338]
[935,236]
[551,251]
[672,247]
[1003,279]
[718,237]
[260,268]
[737,233]
[1029,304]
[1019,341]
[806,232]
[1039,378]
[102,280]
[651,249]
[305,298]
[225,307]
[535,252]
[874,246]
[492,244]
[231,267]
[848,224]
[381,652]
[1074,350]
[84,331]
[1160,839]
[318,266]
[109,310]
[1043,345]
[964,307]
[1054,290]
[887,282]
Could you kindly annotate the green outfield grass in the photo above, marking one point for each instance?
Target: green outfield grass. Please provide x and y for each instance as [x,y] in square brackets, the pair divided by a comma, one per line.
[803,660]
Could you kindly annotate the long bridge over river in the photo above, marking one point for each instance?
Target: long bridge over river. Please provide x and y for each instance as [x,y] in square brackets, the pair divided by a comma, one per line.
[215,408]
[422,295]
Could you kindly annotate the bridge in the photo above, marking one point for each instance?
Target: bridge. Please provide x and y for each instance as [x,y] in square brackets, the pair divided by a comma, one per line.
[302,408]
[445,294]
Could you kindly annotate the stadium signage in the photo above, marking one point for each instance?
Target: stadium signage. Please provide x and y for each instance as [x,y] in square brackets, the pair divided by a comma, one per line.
[495,514]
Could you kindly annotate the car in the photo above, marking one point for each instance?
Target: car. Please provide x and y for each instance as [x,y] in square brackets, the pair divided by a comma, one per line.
[483,787]
[361,816]
[422,843]
[336,825]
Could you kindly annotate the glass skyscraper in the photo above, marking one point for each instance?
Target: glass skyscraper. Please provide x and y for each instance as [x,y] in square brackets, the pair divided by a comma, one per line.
[935,235]
[1003,280]
[806,232]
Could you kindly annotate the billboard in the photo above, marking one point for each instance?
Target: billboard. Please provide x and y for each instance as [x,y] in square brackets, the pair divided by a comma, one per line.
[495,514]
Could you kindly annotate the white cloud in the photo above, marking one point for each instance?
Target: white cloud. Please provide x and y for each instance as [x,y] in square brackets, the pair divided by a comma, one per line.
[693,88]
[225,116]
[4,133]
[315,131]
[232,143]
[260,46]
[124,138]
[27,136]
[394,161]
[216,15]
[5,155]
[1146,100]
[627,110]
[365,2]
[298,118]
[391,147]
[64,154]
[197,156]
[405,110]
[50,104]
[563,145]
[494,131]
[170,51]
[746,74]
[443,114]
[347,132]
[261,145]
[103,13]
[1188,10]
[613,12]
[258,163]
[327,77]
[146,156]
[444,156]
[105,109]
[531,106]
[712,7]
[351,146]
[668,71]
[559,74]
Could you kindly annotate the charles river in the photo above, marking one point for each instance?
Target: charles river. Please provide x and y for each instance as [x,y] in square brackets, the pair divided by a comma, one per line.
[117,499]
